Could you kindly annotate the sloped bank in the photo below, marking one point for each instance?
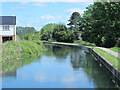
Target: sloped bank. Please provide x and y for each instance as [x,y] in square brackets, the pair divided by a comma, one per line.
[20,50]
[115,74]
[13,51]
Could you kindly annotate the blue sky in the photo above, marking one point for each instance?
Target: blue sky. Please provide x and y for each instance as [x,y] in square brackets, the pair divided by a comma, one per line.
[38,14]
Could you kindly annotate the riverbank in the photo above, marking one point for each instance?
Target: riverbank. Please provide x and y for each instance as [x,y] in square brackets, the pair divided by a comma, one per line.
[20,50]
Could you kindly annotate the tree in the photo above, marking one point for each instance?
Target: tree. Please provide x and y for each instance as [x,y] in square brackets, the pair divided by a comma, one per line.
[21,31]
[62,34]
[46,31]
[102,23]
[74,20]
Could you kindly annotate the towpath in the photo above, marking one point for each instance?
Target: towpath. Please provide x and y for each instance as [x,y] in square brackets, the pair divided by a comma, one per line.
[110,52]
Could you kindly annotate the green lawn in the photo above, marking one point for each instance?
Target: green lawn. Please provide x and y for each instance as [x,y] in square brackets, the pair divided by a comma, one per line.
[116,49]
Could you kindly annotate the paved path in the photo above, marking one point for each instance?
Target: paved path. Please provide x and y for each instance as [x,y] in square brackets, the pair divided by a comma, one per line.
[110,52]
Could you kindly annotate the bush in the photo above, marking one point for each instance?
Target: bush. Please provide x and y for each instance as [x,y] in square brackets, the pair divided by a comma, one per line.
[22,49]
[62,34]
[105,41]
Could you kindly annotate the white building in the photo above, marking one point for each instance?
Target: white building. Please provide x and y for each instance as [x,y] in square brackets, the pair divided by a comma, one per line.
[7,28]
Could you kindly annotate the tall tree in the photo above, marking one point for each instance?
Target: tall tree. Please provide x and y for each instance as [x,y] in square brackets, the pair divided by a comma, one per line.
[102,23]
[74,20]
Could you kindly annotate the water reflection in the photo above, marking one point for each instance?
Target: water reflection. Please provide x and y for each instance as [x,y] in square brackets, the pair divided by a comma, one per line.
[80,60]
[9,68]
[58,67]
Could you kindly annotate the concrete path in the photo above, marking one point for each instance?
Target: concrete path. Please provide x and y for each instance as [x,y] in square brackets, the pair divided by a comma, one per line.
[110,52]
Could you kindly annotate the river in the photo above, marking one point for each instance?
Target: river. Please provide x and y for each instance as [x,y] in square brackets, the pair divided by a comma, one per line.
[58,67]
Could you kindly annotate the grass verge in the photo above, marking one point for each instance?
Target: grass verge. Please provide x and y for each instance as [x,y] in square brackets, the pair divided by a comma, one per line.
[116,49]
[110,58]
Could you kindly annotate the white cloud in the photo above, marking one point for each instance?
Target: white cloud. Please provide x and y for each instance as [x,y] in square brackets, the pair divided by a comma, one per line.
[50,17]
[16,8]
[71,10]
[24,2]
[47,0]
[38,4]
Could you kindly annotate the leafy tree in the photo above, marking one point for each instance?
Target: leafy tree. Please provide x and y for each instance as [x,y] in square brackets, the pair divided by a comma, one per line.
[62,34]
[74,20]
[46,31]
[21,31]
[32,36]
[102,23]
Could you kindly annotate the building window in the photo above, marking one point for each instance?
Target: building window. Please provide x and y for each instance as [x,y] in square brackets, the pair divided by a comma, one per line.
[5,27]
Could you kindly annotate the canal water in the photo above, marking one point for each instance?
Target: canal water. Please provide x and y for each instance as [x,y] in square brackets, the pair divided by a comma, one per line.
[58,67]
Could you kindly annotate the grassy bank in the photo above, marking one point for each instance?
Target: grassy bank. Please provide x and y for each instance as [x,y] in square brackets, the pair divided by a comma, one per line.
[22,49]
[110,58]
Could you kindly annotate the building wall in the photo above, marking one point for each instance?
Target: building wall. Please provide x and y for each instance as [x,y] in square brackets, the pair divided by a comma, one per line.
[11,31]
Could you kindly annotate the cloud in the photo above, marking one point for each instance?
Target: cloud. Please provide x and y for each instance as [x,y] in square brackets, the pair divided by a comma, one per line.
[50,17]
[24,2]
[17,8]
[71,10]
[47,0]
[38,4]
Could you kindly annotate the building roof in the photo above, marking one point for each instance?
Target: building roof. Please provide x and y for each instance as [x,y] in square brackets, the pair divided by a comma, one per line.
[7,20]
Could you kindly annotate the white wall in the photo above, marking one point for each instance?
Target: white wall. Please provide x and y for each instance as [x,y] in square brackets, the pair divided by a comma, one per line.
[11,31]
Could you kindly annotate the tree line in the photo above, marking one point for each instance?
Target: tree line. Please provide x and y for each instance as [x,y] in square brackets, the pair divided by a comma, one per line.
[99,24]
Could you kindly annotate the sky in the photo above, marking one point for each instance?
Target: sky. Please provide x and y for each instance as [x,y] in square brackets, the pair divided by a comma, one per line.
[37,14]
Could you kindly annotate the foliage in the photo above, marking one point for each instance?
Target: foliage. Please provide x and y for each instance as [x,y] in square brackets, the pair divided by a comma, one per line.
[22,49]
[74,20]
[83,43]
[24,30]
[32,36]
[46,31]
[101,23]
[62,34]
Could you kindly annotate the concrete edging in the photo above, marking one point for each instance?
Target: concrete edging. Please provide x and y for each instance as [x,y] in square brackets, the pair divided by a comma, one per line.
[115,73]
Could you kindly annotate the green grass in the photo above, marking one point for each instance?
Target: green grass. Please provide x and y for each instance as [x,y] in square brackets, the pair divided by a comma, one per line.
[22,49]
[116,49]
[110,58]
[84,43]
[75,43]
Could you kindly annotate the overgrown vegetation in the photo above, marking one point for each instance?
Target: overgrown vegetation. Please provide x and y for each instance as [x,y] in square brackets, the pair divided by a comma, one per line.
[22,49]
[21,31]
[32,36]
